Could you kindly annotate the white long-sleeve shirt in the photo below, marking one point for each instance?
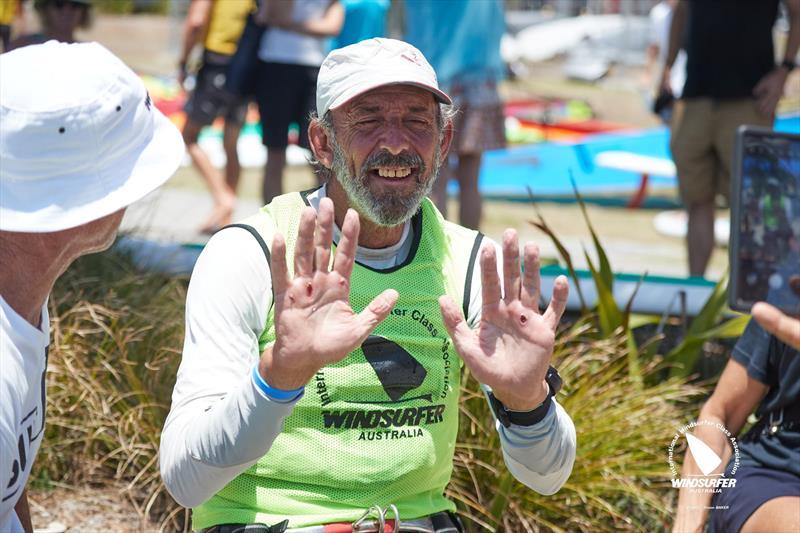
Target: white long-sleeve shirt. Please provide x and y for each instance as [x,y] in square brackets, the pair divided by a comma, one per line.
[220,423]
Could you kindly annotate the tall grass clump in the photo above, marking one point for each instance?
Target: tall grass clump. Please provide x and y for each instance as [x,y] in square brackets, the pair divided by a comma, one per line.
[620,480]
[116,340]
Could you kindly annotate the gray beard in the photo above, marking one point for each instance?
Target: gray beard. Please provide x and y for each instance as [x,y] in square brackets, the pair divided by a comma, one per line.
[383,209]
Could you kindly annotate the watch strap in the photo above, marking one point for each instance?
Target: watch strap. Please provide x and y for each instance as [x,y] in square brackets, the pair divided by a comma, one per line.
[527,418]
[788,64]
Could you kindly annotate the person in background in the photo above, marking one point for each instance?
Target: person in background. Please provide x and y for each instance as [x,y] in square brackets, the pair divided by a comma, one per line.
[59,20]
[9,10]
[218,24]
[660,22]
[81,140]
[461,38]
[731,79]
[292,49]
[363,19]
[762,373]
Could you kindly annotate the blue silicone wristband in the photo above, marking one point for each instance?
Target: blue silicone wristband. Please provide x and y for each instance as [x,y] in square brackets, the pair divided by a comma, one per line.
[278,395]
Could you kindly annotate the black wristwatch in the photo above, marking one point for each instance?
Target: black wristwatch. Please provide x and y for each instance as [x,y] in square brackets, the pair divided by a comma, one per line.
[526,418]
[788,64]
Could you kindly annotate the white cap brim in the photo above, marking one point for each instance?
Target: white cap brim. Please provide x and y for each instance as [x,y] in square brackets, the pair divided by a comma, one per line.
[34,208]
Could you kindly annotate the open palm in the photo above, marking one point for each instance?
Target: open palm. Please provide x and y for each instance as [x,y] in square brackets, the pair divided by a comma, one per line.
[510,350]
[314,323]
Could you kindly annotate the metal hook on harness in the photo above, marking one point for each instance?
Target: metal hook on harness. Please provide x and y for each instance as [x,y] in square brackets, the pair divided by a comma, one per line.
[361,526]
[775,425]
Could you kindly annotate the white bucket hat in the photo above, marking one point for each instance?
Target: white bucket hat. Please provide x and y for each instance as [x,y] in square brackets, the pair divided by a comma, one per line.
[355,69]
[79,137]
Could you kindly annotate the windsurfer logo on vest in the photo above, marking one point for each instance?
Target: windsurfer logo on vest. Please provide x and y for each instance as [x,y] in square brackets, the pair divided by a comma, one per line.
[396,369]
[398,373]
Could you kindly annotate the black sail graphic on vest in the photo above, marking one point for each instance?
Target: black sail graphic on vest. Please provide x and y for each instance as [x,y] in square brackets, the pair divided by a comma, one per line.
[396,369]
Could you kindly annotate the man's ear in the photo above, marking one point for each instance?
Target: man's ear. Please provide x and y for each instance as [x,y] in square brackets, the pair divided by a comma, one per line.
[447,138]
[320,144]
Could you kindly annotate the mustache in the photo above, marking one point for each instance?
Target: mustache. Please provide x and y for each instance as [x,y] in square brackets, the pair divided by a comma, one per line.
[384,158]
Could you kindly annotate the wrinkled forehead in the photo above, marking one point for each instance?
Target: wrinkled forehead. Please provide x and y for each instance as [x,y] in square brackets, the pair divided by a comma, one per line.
[392,98]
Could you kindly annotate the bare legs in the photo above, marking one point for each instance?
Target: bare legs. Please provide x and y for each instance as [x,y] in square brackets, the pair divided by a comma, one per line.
[700,236]
[469,211]
[777,515]
[223,189]
[273,173]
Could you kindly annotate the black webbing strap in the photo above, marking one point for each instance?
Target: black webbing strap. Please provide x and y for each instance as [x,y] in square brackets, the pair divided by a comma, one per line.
[470,268]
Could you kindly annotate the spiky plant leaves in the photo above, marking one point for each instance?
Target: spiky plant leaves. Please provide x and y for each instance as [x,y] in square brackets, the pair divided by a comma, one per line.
[606,273]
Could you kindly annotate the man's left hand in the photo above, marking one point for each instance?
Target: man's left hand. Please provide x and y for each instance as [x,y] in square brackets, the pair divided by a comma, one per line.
[768,91]
[510,350]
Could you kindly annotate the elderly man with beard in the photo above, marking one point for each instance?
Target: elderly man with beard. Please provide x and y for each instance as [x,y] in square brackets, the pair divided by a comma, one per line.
[321,394]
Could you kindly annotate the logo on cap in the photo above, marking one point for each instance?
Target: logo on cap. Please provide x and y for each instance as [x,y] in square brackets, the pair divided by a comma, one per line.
[413,57]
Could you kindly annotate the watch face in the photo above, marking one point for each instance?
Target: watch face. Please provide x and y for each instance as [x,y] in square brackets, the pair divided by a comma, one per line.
[554,380]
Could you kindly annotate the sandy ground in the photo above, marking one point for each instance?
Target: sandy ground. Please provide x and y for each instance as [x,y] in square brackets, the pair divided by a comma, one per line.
[86,509]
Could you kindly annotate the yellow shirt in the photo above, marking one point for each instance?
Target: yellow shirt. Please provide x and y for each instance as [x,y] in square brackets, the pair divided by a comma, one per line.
[226,25]
[8,8]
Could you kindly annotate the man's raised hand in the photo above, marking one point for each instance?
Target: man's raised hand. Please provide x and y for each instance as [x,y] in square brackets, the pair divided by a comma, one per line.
[510,350]
[314,323]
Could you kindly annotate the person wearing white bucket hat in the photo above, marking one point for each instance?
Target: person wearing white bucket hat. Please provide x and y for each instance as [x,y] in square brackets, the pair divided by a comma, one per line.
[80,140]
[321,395]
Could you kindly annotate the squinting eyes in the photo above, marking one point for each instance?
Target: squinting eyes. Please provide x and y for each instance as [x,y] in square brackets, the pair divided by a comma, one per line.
[414,121]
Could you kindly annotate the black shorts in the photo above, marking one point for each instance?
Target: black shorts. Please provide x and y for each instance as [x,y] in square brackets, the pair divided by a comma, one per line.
[210,100]
[755,486]
[285,93]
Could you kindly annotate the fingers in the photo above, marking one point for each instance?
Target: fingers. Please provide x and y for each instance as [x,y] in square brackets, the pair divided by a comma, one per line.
[511,277]
[377,310]
[324,235]
[280,276]
[531,280]
[490,280]
[304,248]
[558,303]
[461,334]
[346,251]
[774,321]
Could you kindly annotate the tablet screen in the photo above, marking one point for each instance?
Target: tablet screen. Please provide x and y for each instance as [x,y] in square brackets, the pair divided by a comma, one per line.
[768,248]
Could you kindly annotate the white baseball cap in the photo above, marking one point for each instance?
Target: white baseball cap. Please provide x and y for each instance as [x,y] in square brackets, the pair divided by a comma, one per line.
[80,137]
[355,69]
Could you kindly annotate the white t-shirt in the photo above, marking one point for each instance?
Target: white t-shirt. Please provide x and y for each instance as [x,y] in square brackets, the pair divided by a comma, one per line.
[221,423]
[23,362]
[282,46]
[660,22]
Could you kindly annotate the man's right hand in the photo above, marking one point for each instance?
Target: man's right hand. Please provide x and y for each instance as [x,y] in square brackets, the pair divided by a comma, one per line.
[785,327]
[314,323]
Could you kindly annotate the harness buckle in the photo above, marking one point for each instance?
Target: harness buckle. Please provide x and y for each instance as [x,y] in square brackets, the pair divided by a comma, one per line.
[362,526]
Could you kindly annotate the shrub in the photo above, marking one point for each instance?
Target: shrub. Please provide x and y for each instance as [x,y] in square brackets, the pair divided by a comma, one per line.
[116,342]
[620,480]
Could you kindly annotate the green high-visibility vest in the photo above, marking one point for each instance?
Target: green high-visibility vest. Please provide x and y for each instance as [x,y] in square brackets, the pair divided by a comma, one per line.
[380,426]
